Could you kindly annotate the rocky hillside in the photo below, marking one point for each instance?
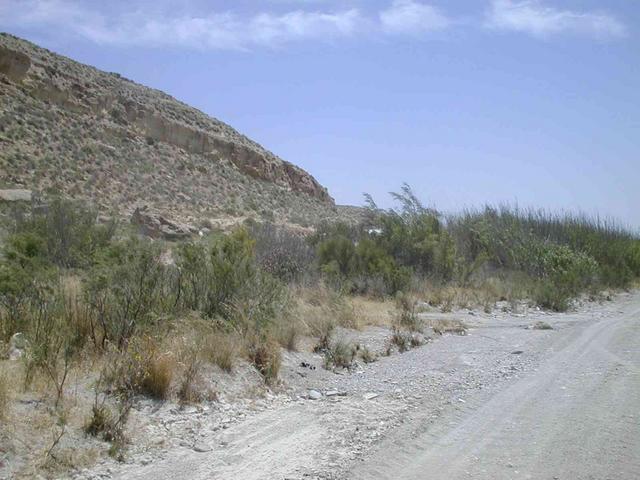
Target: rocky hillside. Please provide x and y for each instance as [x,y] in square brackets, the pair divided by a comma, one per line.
[70,128]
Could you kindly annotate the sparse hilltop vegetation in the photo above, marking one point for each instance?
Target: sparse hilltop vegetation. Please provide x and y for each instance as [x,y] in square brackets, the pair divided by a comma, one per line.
[98,321]
[71,129]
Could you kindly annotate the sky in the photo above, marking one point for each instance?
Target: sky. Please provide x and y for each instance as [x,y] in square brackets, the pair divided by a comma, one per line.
[527,102]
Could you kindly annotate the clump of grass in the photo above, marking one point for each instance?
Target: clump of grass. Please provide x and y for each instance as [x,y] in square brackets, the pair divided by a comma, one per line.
[158,373]
[287,333]
[221,349]
[367,355]
[407,317]
[401,339]
[188,391]
[109,423]
[265,355]
[442,326]
[540,325]
[143,369]
[4,395]
[322,328]
[340,354]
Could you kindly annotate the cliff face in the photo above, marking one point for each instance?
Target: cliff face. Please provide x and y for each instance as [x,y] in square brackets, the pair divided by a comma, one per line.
[94,134]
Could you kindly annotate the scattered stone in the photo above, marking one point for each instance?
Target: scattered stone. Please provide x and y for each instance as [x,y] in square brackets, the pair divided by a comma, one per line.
[15,195]
[155,225]
[335,393]
[371,395]
[17,346]
[314,395]
[201,447]
[307,365]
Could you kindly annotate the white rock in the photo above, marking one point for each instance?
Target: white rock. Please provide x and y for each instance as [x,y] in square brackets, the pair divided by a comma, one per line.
[314,395]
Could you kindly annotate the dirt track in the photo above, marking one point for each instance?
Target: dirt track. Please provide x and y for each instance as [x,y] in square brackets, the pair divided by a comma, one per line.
[502,402]
[576,417]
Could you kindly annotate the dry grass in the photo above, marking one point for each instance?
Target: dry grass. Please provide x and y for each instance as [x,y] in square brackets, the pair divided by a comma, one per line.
[264,353]
[221,349]
[190,390]
[340,354]
[374,312]
[287,332]
[484,295]
[367,355]
[319,311]
[4,395]
[158,375]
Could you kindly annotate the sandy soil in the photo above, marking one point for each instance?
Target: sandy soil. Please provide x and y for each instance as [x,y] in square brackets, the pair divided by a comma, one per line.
[503,401]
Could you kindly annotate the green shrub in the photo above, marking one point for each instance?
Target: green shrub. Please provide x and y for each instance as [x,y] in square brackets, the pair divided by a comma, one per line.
[212,274]
[63,232]
[128,289]
[414,236]
[362,267]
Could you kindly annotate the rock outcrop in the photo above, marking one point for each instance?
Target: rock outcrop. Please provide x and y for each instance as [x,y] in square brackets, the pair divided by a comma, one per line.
[155,225]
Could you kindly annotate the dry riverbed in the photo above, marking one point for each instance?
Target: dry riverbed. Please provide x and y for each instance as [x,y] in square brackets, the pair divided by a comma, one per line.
[360,423]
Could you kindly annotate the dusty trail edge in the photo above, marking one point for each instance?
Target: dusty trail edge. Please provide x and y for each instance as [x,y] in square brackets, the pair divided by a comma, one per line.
[503,401]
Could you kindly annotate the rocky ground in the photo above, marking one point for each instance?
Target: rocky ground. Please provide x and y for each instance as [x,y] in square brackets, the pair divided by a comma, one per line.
[331,425]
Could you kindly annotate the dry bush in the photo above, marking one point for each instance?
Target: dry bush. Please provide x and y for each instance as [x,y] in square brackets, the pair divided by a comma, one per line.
[191,355]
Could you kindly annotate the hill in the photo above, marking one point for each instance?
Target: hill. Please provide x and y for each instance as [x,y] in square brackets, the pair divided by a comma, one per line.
[70,128]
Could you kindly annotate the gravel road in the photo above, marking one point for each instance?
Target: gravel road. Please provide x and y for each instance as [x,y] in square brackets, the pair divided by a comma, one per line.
[502,402]
[577,416]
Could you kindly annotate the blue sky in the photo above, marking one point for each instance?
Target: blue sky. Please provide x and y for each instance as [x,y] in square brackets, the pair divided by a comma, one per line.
[534,102]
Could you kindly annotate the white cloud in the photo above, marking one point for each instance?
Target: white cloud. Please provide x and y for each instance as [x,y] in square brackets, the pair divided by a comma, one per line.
[532,17]
[216,30]
[413,18]
[230,30]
